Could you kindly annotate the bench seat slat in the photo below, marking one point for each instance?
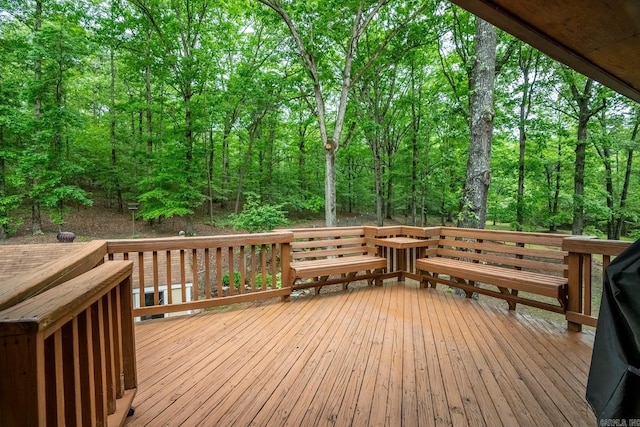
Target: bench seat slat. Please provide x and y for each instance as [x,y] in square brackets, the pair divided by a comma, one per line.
[506,259]
[332,266]
[322,253]
[526,281]
[326,243]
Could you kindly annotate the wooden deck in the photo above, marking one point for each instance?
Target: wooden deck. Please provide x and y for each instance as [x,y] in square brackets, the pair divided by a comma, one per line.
[394,355]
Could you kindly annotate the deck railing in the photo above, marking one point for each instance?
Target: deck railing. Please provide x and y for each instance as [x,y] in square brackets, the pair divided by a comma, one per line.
[402,253]
[68,353]
[587,260]
[66,329]
[182,274]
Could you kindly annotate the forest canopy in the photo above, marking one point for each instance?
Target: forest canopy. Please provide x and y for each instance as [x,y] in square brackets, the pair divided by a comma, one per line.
[191,108]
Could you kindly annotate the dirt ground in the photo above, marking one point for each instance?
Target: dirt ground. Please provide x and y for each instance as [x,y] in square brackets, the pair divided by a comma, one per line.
[101,223]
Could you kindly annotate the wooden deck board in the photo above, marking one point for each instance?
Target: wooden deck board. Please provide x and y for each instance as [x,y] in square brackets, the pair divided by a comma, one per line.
[392,355]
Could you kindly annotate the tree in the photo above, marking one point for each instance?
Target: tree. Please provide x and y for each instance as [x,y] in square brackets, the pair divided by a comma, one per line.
[584,104]
[186,52]
[615,149]
[335,15]
[528,63]
[473,205]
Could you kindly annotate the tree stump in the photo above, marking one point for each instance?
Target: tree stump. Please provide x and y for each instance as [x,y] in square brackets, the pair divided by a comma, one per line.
[65,237]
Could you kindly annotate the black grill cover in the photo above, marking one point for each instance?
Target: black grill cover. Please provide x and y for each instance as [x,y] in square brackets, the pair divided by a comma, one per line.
[613,388]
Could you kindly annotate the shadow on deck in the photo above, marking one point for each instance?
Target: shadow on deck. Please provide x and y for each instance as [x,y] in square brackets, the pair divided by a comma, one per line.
[393,355]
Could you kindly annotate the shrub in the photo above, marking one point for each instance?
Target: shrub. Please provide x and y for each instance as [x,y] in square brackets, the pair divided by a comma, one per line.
[236,279]
[269,280]
[259,217]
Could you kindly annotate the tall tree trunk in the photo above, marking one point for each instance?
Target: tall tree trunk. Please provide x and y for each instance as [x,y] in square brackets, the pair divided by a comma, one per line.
[302,130]
[578,182]
[330,212]
[112,131]
[3,186]
[377,172]
[527,59]
[585,112]
[210,158]
[625,187]
[416,116]
[36,219]
[188,139]
[230,119]
[414,179]
[148,100]
[473,208]
[389,205]
[556,191]
[252,131]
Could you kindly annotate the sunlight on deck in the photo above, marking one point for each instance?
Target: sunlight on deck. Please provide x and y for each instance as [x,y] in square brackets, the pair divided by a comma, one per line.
[393,355]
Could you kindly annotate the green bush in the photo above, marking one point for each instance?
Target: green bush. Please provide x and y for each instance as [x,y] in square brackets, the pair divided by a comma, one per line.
[259,217]
[269,278]
[236,279]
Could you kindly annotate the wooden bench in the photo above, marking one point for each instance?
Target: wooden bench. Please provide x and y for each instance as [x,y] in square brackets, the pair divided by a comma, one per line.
[326,256]
[512,262]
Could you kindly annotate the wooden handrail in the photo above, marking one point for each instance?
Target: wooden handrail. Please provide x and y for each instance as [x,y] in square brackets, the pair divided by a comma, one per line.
[33,282]
[69,352]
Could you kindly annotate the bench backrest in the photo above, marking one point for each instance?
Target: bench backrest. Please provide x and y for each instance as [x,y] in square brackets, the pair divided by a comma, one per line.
[539,252]
[318,243]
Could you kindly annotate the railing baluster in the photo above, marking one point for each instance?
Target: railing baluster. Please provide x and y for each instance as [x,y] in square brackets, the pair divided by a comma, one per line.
[169,278]
[207,274]
[263,265]
[59,377]
[183,276]
[77,376]
[156,285]
[219,271]
[242,270]
[141,279]
[97,321]
[254,268]
[588,280]
[232,278]
[195,286]
[110,377]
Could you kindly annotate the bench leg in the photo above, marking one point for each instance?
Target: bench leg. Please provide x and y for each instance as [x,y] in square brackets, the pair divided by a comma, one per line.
[514,292]
[378,280]
[321,279]
[347,277]
[427,280]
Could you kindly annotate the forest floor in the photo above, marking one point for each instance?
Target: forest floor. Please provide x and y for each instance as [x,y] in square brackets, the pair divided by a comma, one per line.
[96,222]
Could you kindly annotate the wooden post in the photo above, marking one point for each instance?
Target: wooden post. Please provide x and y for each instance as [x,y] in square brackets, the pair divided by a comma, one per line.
[285,266]
[22,374]
[575,262]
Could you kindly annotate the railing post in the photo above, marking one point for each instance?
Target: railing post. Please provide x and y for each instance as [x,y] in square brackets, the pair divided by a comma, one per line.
[575,263]
[285,266]
[22,378]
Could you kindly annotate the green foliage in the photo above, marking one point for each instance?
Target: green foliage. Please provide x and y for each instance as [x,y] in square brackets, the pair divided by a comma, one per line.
[168,192]
[269,280]
[212,101]
[259,217]
[309,202]
[58,196]
[236,279]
